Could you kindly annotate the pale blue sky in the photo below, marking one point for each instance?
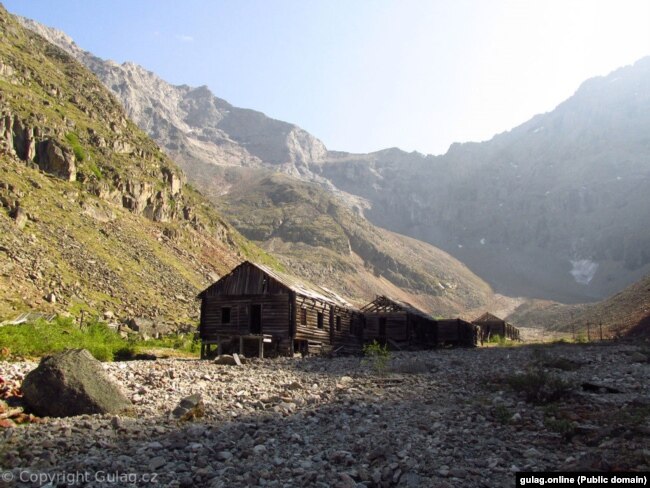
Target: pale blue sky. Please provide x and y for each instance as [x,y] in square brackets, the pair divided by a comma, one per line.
[364,75]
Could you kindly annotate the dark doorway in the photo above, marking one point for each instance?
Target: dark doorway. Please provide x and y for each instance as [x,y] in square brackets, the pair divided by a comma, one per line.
[382,330]
[256,319]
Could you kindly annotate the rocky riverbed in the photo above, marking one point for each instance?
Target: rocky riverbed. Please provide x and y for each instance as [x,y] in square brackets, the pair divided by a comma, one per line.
[441,418]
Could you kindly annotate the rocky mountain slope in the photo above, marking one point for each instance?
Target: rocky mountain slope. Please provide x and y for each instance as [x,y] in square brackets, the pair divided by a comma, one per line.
[313,232]
[93,215]
[624,313]
[229,153]
[554,209]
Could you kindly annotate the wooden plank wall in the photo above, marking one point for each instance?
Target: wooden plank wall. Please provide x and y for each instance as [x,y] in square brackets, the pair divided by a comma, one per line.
[275,316]
[310,331]
[349,337]
[502,328]
[424,332]
[456,332]
[396,326]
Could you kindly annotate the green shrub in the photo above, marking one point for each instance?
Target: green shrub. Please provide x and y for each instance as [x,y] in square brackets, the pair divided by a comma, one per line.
[539,387]
[77,149]
[377,356]
[94,169]
[498,339]
[180,342]
[564,427]
[502,414]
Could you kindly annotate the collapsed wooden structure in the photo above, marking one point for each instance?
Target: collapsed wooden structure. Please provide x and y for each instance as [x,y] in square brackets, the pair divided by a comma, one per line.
[401,325]
[492,326]
[256,310]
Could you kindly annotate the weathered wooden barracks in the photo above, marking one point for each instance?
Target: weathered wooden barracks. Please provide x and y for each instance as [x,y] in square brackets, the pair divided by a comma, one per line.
[257,310]
[401,325]
[277,313]
[398,324]
[491,326]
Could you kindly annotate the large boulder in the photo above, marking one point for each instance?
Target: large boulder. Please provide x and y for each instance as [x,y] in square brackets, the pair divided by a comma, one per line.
[72,383]
[56,160]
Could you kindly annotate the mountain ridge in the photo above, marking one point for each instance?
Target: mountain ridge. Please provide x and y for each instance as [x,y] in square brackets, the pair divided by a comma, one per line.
[512,208]
[198,128]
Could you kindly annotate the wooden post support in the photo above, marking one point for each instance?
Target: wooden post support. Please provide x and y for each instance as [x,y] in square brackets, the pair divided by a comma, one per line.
[261,347]
[241,345]
[219,348]
[601,331]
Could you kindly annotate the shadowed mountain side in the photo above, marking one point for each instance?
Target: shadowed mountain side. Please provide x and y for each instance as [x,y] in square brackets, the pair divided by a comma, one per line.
[314,233]
[555,208]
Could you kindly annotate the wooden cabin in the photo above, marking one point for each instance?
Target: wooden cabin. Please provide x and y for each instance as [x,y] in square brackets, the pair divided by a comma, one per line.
[398,324]
[457,332]
[262,311]
[491,326]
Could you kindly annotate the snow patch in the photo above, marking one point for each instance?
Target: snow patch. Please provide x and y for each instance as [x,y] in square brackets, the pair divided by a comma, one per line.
[583,270]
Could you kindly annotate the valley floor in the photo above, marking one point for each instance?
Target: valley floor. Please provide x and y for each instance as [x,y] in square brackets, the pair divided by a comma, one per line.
[439,418]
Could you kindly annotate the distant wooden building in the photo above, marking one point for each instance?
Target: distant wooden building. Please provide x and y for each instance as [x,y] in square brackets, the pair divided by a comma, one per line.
[398,324]
[456,332]
[491,326]
[403,326]
[277,313]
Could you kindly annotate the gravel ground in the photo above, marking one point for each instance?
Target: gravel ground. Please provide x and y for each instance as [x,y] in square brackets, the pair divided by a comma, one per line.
[438,418]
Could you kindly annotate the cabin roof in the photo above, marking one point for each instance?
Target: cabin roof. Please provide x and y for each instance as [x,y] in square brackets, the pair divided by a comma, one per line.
[488,317]
[387,304]
[297,285]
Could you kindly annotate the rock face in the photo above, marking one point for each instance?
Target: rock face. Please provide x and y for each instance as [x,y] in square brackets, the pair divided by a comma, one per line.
[191,123]
[555,208]
[126,235]
[72,383]
[54,159]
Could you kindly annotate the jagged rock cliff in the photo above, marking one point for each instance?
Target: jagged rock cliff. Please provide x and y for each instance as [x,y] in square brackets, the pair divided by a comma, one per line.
[193,124]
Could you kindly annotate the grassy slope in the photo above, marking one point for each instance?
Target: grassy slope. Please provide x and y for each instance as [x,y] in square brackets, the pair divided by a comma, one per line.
[91,253]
